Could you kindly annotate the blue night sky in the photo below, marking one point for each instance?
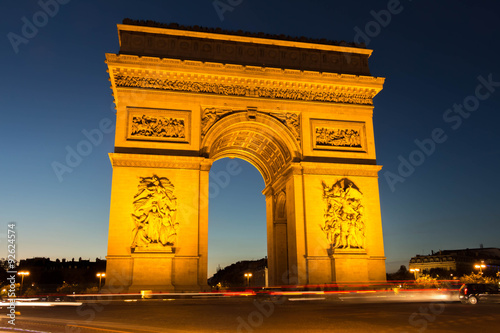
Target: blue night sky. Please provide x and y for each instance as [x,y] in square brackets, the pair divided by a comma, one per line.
[431,53]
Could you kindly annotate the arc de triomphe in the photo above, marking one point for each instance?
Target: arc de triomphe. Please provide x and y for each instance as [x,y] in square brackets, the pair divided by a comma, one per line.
[299,110]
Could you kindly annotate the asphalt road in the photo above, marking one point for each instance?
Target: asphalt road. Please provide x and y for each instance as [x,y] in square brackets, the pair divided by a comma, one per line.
[253,314]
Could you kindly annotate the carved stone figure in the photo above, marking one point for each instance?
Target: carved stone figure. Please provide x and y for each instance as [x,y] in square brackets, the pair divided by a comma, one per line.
[158,126]
[176,85]
[291,121]
[336,137]
[211,116]
[155,213]
[344,213]
[308,95]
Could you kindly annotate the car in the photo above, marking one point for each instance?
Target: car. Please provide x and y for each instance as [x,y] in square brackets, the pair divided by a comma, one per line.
[472,293]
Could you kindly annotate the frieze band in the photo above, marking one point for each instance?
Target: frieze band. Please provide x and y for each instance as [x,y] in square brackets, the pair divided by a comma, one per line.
[239,90]
[313,96]
[176,85]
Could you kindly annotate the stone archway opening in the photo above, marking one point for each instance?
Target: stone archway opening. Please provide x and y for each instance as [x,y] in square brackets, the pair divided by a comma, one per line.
[271,147]
[256,137]
[237,215]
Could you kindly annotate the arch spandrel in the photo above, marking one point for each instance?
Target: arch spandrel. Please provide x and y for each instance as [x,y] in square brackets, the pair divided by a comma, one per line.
[261,140]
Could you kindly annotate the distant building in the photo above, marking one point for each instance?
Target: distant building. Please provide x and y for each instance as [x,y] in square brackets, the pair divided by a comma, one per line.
[459,261]
[48,274]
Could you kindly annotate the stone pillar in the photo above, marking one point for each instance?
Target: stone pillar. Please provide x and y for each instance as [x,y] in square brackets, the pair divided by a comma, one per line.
[271,250]
[343,228]
[285,229]
[277,236]
[296,232]
[158,223]
[203,224]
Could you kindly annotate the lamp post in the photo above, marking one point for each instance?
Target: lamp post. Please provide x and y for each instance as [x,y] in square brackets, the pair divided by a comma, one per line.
[415,271]
[100,276]
[23,274]
[248,276]
[480,267]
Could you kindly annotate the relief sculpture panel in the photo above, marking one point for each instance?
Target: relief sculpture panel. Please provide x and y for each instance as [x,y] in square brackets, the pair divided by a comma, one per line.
[155,215]
[338,135]
[158,125]
[344,224]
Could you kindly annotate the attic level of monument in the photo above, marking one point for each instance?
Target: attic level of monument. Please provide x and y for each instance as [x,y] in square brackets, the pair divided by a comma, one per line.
[243,49]
[177,26]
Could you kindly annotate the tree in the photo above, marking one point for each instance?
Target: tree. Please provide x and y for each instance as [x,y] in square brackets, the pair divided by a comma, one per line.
[67,288]
[479,278]
[427,281]
[401,274]
[32,291]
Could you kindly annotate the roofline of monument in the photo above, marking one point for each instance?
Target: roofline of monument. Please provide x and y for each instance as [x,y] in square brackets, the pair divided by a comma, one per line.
[241,39]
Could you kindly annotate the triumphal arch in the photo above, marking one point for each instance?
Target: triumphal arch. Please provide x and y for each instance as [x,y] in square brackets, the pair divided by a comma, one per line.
[299,110]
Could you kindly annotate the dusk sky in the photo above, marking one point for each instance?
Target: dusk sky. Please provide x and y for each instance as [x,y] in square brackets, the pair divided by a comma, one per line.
[441,64]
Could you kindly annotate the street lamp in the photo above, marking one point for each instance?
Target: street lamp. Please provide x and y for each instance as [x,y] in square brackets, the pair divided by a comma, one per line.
[100,276]
[248,276]
[415,271]
[23,274]
[480,267]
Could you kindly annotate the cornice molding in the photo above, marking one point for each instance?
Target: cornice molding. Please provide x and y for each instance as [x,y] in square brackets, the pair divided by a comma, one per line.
[154,64]
[349,89]
[340,169]
[155,161]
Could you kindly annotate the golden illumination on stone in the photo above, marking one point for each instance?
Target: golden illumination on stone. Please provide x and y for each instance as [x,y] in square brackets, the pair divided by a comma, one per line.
[302,120]
[157,127]
[344,225]
[155,214]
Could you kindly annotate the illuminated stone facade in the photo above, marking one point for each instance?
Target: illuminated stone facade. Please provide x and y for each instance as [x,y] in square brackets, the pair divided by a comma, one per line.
[299,111]
[460,261]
